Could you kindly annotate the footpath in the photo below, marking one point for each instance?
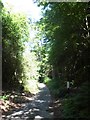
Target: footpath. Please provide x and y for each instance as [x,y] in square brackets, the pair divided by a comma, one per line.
[38,108]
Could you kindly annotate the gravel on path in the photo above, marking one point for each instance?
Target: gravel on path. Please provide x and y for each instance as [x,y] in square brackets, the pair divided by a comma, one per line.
[39,108]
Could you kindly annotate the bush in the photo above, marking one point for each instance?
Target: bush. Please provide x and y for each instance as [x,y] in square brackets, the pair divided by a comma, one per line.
[69,109]
[56,89]
[77,105]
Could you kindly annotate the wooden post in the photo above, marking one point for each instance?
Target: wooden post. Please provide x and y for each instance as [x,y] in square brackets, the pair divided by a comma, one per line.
[68,84]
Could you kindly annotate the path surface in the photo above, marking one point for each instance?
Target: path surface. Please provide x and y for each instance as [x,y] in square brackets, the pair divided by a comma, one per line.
[38,108]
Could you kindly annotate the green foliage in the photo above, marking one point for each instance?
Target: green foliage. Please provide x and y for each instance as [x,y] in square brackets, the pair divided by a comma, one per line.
[70,110]
[5,97]
[55,88]
[20,62]
[31,72]
[15,33]
[1,5]
[47,80]
[31,66]
[41,49]
[52,85]
[63,26]
[77,106]
[31,86]
[65,31]
[59,51]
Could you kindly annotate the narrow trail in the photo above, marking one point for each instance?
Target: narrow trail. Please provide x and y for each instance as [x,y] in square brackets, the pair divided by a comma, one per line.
[39,107]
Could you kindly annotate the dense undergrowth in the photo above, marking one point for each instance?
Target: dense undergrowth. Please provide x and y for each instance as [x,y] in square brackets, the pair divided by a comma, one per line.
[75,102]
[59,50]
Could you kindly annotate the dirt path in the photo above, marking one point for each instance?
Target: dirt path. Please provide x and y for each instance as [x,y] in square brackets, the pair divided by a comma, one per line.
[39,107]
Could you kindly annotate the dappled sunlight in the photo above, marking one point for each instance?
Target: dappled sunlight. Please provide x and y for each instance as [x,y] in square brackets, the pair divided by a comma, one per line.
[38,107]
[57,101]
[32,86]
[58,105]
[41,85]
[38,117]
[40,101]
[27,7]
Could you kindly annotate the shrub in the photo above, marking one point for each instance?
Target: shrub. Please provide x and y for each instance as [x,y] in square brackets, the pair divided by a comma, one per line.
[77,105]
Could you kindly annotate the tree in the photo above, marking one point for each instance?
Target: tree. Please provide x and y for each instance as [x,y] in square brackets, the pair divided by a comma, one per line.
[14,34]
[64,27]
[41,49]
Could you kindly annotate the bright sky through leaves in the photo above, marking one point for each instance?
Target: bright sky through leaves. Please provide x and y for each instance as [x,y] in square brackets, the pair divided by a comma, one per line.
[25,6]
[29,8]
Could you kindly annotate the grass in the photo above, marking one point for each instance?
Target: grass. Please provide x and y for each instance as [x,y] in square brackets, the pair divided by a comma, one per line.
[5,97]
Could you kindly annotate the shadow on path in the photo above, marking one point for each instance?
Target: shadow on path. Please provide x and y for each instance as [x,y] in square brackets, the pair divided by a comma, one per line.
[39,108]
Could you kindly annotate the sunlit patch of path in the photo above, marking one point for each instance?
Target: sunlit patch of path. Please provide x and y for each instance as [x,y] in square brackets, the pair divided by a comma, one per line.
[38,108]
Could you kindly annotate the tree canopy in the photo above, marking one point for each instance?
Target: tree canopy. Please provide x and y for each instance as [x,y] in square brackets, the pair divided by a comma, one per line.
[65,27]
[59,52]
